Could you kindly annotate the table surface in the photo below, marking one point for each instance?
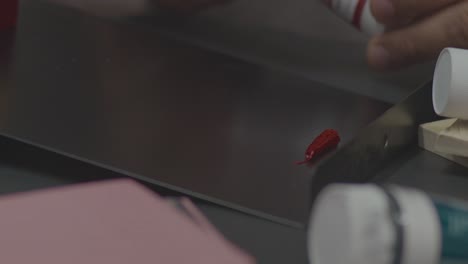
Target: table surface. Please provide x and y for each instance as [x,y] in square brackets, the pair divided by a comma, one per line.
[23,167]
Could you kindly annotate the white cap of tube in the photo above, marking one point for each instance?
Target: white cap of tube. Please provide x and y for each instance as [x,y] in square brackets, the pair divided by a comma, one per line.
[358,13]
[352,224]
[450,85]
[369,24]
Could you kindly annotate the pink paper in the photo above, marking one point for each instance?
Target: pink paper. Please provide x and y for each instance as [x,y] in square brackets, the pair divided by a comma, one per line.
[110,222]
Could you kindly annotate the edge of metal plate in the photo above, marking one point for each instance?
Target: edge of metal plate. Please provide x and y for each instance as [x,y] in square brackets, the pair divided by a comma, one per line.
[378,144]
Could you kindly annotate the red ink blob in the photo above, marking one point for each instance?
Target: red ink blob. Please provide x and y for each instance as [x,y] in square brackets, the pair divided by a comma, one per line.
[326,141]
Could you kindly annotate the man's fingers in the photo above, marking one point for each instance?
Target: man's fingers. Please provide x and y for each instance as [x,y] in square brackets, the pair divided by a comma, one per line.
[422,40]
[390,12]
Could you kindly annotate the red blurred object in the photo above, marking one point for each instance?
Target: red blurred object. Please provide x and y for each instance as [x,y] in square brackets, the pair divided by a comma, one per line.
[326,141]
[8,13]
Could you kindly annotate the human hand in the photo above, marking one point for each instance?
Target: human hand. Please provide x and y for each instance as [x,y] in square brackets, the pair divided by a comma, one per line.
[419,30]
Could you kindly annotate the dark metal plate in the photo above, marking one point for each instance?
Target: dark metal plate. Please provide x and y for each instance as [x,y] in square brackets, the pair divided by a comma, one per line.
[202,123]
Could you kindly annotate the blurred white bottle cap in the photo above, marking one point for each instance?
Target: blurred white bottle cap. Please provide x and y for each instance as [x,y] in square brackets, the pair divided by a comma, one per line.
[450,85]
[352,224]
[349,225]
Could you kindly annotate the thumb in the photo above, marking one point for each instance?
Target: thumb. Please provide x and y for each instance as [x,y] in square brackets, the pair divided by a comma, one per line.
[422,40]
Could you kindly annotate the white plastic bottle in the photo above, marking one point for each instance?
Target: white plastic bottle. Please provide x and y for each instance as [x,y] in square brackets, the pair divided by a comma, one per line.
[358,13]
[371,224]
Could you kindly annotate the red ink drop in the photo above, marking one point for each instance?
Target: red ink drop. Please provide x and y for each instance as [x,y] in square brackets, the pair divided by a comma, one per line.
[326,141]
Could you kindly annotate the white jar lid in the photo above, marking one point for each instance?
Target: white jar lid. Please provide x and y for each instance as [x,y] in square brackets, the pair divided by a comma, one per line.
[450,85]
[352,224]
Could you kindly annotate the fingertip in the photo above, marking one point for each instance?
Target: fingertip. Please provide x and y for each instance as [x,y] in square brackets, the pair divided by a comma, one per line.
[383,10]
[378,57]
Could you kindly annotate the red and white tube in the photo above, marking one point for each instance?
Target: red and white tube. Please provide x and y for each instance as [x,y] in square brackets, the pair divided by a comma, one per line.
[357,13]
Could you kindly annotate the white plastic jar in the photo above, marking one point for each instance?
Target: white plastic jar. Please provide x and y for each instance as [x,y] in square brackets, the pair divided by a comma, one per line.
[370,224]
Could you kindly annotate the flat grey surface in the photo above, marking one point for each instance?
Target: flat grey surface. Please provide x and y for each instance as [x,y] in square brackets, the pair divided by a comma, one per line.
[24,168]
[299,36]
[199,122]
[429,172]
[302,36]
